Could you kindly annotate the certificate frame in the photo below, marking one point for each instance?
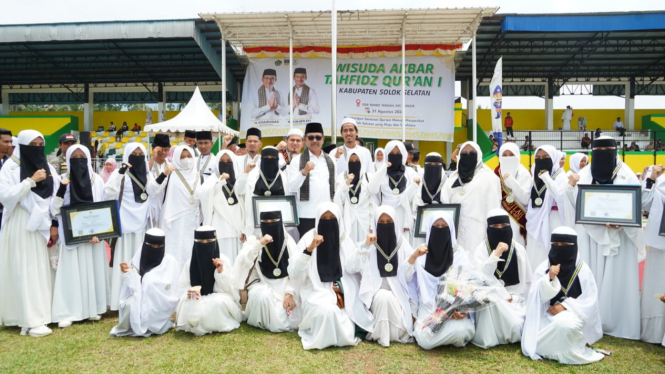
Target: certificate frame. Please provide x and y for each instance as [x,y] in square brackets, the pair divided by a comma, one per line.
[286,203]
[583,191]
[68,213]
[421,231]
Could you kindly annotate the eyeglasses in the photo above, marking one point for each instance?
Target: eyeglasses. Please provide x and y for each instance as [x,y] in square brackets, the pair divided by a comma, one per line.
[311,138]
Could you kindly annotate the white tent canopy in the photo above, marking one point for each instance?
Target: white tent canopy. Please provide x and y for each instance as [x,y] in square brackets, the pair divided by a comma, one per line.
[196,116]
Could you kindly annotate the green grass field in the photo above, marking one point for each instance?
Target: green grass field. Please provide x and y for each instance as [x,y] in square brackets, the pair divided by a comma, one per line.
[87,347]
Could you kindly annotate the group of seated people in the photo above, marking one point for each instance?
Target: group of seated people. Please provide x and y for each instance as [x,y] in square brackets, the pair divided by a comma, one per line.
[206,244]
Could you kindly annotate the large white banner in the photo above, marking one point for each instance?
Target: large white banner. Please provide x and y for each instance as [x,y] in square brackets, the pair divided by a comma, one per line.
[369,90]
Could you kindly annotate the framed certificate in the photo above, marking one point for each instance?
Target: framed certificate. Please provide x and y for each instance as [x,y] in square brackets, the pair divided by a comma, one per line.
[287,204]
[82,222]
[425,210]
[599,204]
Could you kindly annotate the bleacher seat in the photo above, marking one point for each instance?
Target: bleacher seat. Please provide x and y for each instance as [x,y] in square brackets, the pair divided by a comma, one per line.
[110,152]
[117,145]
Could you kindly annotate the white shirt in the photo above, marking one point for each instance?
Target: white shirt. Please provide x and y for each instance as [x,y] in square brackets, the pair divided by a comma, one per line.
[264,112]
[618,125]
[206,169]
[312,106]
[319,184]
[242,161]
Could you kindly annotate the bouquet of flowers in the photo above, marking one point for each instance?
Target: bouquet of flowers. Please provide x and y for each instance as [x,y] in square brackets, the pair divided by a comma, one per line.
[464,290]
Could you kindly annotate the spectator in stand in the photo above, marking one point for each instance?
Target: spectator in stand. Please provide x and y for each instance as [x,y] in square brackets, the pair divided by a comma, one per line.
[112,127]
[124,127]
[634,147]
[586,141]
[118,136]
[660,146]
[598,132]
[618,126]
[508,122]
[527,146]
[136,128]
[495,145]
[651,146]
[581,123]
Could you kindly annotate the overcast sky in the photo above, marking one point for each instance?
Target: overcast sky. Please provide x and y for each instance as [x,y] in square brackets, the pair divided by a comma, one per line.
[50,11]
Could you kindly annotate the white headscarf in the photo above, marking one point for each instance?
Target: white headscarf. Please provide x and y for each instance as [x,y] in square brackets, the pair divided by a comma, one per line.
[476,147]
[399,145]
[24,138]
[363,166]
[85,150]
[177,202]
[651,236]
[378,164]
[440,214]
[218,159]
[131,147]
[14,141]
[509,164]
[575,160]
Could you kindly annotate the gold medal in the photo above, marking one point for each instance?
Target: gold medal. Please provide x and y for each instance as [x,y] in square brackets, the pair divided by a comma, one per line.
[462,192]
[277,272]
[192,201]
[231,200]
[510,199]
[144,196]
[354,200]
[267,193]
[389,267]
[501,282]
[538,201]
[395,191]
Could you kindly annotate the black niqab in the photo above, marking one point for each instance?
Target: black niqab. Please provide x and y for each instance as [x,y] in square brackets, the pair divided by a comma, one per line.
[33,159]
[328,261]
[440,254]
[566,256]
[270,169]
[276,231]
[201,268]
[396,171]
[386,239]
[432,177]
[80,186]
[139,170]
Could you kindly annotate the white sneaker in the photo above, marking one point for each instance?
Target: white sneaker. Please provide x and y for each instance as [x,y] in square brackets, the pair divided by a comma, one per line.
[40,331]
[95,318]
[64,324]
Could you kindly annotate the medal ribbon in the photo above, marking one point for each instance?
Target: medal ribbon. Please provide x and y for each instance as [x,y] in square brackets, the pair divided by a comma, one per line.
[269,185]
[511,251]
[358,186]
[540,191]
[16,160]
[427,189]
[474,174]
[182,179]
[572,278]
[388,258]
[281,253]
[395,184]
[206,164]
[141,186]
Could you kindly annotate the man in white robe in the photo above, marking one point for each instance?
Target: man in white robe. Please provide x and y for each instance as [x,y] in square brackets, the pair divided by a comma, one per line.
[424,269]
[340,155]
[262,267]
[150,291]
[157,165]
[82,287]
[205,160]
[562,306]
[383,286]
[475,186]
[323,273]
[253,146]
[515,186]
[210,301]
[567,117]
[27,186]
[653,308]
[503,257]
[612,252]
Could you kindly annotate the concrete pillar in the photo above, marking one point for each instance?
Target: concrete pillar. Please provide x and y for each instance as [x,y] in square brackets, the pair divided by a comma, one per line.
[161,104]
[4,102]
[629,115]
[88,103]
[549,104]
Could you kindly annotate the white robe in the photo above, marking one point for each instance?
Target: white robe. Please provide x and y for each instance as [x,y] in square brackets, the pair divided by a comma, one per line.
[358,217]
[324,324]
[146,305]
[218,312]
[418,202]
[134,219]
[520,184]
[423,291]
[613,257]
[501,323]
[387,298]
[652,309]
[25,273]
[155,200]
[226,219]
[481,195]
[566,118]
[562,337]
[380,185]
[265,308]
[82,288]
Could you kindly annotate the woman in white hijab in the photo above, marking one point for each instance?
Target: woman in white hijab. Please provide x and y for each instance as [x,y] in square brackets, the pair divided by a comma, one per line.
[515,184]
[546,206]
[27,186]
[562,160]
[322,272]
[129,186]
[475,186]
[653,309]
[562,314]
[577,162]
[379,159]
[383,286]
[82,289]
[354,199]
[423,270]
[222,205]
[180,209]
[502,257]
[431,192]
[395,186]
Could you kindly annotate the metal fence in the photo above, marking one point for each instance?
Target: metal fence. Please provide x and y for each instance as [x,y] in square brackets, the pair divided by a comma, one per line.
[645,141]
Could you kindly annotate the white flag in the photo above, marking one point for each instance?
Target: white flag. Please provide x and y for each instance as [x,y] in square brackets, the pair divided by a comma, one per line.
[496,93]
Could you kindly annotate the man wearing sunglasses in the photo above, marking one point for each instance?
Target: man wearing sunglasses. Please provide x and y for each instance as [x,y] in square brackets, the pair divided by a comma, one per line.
[311,177]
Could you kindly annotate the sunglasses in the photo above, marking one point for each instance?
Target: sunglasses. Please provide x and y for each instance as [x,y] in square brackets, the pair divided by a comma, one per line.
[311,138]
